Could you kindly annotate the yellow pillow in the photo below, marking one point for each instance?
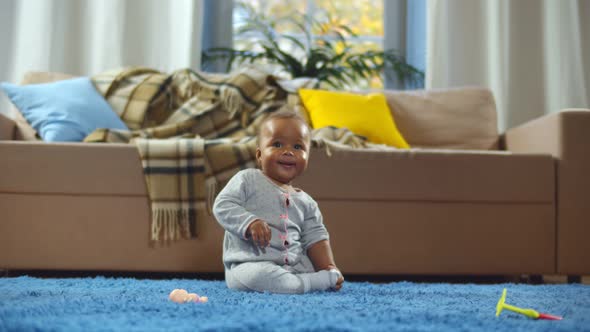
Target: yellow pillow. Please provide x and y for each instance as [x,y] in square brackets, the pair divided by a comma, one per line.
[366,115]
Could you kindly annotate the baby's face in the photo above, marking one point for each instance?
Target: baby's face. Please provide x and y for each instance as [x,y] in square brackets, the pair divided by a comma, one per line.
[283,149]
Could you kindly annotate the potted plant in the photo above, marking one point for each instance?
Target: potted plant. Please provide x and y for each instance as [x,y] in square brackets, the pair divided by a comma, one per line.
[322,49]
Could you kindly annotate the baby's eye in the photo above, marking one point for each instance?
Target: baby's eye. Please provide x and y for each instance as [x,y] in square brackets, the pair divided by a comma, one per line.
[277,144]
[298,147]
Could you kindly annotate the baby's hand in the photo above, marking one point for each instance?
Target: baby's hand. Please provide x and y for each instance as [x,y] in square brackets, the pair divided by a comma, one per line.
[259,232]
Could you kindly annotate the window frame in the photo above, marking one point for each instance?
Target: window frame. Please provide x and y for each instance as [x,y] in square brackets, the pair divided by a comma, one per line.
[404,29]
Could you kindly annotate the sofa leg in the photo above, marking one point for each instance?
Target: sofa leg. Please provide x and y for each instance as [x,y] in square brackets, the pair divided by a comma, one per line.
[535,279]
[555,279]
[565,279]
[574,279]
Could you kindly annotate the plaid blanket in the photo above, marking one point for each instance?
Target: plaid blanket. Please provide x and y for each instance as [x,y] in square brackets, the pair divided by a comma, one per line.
[194,131]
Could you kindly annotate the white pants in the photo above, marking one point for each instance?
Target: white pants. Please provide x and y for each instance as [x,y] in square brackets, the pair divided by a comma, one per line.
[268,276]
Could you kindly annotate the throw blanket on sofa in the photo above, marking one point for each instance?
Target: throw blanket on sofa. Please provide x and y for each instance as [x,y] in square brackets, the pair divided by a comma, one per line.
[194,131]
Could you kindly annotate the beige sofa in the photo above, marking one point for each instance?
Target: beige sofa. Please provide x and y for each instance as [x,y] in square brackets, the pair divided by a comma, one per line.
[463,200]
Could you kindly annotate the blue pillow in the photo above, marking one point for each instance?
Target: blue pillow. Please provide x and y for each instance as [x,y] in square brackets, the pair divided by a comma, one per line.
[63,111]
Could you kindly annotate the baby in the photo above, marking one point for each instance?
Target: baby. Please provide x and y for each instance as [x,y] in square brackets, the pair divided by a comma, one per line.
[275,239]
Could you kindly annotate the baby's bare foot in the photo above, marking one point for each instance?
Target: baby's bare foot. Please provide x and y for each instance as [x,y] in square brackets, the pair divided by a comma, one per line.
[336,279]
[339,283]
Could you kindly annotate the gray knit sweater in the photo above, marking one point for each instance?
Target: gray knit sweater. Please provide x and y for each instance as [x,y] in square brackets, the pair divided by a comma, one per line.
[251,195]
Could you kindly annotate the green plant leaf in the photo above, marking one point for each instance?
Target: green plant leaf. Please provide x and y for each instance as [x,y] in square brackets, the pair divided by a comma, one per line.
[330,57]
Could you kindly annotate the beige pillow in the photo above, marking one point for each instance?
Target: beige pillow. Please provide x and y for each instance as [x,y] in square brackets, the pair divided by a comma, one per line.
[458,118]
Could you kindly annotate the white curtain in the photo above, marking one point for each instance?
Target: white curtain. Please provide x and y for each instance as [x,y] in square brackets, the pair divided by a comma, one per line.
[533,54]
[85,37]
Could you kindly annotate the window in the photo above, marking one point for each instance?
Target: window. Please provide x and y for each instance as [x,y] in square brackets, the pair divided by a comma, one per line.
[364,18]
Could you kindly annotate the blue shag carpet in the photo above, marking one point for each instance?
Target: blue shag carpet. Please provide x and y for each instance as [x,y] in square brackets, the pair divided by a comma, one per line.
[125,304]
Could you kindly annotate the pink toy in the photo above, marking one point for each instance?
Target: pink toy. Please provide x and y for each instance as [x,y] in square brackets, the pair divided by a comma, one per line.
[182,296]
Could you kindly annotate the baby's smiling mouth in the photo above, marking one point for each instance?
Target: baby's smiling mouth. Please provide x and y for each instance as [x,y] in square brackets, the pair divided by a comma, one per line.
[287,164]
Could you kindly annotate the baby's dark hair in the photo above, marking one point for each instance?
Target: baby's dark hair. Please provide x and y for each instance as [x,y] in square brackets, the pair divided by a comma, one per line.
[283,113]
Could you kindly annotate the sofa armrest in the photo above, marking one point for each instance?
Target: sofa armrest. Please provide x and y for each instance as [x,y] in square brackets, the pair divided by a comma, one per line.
[7,128]
[566,136]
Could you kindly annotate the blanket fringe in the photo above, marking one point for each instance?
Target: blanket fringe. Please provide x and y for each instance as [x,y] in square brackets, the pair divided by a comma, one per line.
[231,100]
[170,224]
[321,143]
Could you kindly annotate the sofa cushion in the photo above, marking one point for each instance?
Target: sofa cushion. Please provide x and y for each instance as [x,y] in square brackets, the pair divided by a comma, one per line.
[430,175]
[400,175]
[366,115]
[71,168]
[458,118]
[66,110]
